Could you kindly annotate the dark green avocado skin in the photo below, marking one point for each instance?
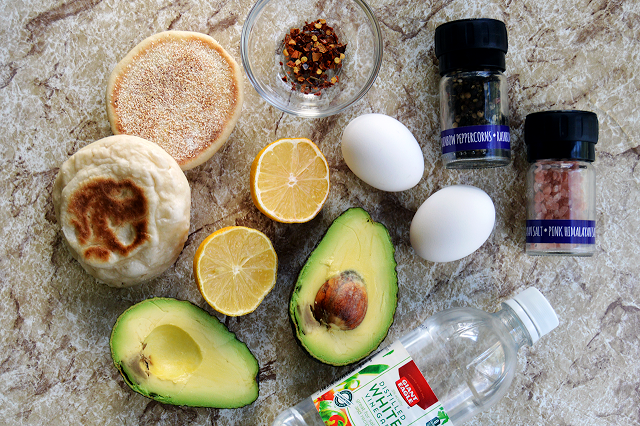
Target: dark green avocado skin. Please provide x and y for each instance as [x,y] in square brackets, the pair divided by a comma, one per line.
[191,316]
[299,292]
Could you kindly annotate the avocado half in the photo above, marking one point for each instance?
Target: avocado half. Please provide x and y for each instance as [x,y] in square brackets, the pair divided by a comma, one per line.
[176,353]
[346,295]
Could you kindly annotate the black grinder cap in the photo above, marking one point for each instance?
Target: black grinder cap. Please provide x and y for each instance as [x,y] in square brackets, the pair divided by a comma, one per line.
[471,44]
[561,135]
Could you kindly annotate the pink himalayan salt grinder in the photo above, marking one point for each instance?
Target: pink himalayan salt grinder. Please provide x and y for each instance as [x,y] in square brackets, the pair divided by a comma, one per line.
[561,183]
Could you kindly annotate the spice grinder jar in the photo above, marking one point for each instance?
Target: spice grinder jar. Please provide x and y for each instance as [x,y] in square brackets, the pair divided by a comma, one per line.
[474,107]
[561,182]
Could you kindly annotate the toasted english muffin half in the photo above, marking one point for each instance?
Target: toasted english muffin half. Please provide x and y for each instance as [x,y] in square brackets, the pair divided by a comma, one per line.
[179,89]
[123,205]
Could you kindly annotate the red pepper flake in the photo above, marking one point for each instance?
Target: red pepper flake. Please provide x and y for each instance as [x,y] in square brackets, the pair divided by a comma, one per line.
[319,51]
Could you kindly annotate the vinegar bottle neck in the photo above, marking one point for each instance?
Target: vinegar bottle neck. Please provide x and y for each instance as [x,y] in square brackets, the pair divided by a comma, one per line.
[514,324]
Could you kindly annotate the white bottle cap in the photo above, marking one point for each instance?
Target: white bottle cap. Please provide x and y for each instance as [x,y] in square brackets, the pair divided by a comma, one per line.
[535,312]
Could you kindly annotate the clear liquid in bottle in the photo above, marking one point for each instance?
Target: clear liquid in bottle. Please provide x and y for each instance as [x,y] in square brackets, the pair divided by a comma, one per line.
[467,356]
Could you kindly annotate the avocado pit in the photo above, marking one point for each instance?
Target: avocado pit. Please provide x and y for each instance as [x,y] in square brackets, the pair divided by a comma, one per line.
[341,301]
[361,249]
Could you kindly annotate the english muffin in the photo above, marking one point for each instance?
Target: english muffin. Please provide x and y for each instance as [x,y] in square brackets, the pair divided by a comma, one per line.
[179,89]
[123,205]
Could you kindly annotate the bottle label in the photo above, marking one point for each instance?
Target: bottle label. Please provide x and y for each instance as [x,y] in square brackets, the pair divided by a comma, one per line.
[388,390]
[468,138]
[561,231]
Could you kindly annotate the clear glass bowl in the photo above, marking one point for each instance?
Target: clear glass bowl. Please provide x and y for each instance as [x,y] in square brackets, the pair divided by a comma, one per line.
[261,50]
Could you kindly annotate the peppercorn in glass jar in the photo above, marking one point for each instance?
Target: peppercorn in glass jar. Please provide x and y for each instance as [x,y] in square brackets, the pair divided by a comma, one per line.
[474,107]
[561,183]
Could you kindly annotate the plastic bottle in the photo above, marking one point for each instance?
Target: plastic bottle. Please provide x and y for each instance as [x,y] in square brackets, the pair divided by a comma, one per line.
[467,356]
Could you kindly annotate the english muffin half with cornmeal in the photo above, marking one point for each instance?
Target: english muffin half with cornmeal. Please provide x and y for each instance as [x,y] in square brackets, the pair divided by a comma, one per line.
[179,89]
[123,205]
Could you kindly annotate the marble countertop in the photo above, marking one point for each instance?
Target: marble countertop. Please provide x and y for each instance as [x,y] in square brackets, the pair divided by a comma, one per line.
[55,59]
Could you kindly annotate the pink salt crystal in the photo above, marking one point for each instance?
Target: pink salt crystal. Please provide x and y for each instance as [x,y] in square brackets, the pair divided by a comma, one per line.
[559,193]
[562,212]
[538,197]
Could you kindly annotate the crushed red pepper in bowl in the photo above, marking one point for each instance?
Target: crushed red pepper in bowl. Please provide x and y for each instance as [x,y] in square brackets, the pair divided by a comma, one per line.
[340,66]
[312,57]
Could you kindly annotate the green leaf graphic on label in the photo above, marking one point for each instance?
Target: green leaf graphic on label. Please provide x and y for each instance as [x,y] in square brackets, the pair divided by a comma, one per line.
[325,405]
[327,413]
[347,383]
[352,384]
[369,369]
[388,353]
[443,416]
[374,369]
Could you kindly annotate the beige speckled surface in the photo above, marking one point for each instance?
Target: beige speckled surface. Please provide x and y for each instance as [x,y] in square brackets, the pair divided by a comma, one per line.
[55,320]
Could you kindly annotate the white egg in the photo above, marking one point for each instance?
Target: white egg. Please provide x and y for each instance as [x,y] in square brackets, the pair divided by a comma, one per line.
[452,223]
[381,151]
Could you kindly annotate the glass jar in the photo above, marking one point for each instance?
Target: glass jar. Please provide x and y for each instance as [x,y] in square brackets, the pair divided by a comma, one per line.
[561,183]
[474,106]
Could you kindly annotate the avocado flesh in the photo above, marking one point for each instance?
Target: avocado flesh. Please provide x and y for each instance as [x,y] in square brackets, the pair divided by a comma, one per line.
[176,353]
[353,242]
